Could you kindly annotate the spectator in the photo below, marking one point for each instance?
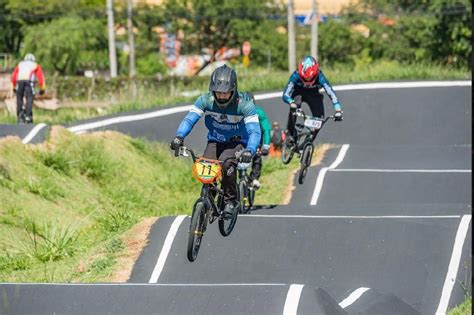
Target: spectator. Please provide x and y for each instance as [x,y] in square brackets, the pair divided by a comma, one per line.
[277,138]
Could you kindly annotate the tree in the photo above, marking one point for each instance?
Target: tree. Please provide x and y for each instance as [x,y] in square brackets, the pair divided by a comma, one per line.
[10,30]
[16,15]
[67,44]
[338,43]
[452,32]
[212,23]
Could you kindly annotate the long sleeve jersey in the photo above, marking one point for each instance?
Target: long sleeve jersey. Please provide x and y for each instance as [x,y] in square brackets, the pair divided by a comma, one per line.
[321,82]
[264,125]
[238,120]
[27,70]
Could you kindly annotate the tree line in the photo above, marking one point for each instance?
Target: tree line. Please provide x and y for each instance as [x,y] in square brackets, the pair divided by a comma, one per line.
[70,36]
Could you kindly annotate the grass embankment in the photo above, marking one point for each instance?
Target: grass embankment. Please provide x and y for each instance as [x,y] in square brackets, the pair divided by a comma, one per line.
[70,208]
[254,80]
[464,308]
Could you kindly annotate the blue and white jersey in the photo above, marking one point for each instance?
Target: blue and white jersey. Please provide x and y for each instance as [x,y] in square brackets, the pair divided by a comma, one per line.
[239,120]
[321,82]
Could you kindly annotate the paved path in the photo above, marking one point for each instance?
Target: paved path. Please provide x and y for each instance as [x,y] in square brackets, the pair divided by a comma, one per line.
[386,230]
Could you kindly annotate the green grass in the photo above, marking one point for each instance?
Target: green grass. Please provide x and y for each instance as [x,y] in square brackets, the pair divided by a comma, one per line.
[464,308]
[255,80]
[66,204]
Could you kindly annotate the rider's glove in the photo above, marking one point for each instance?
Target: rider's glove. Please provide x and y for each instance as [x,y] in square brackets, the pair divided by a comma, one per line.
[338,115]
[41,92]
[14,90]
[246,156]
[265,149]
[176,143]
[293,106]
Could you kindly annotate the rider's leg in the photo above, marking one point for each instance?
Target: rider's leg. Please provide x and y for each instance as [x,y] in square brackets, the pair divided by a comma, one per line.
[229,170]
[256,167]
[290,125]
[314,99]
[19,101]
[30,92]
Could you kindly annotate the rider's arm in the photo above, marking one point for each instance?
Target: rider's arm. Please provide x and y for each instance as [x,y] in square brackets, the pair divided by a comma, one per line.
[14,76]
[40,76]
[191,118]
[265,126]
[252,126]
[289,88]
[329,90]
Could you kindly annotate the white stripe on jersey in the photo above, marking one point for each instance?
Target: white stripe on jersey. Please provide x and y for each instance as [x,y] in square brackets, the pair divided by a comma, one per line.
[251,119]
[222,118]
[197,110]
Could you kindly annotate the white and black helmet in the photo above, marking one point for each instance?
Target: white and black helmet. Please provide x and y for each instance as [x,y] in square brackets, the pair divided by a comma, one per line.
[29,57]
[223,79]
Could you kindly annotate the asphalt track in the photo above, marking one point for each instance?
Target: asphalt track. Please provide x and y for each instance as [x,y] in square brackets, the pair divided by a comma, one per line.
[387,231]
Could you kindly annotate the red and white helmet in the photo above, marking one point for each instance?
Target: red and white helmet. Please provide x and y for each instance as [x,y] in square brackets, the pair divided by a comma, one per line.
[308,70]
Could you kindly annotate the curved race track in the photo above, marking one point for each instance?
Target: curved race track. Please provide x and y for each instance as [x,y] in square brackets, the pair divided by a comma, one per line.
[381,227]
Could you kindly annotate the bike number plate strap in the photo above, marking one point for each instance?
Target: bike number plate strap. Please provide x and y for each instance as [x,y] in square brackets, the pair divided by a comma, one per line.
[313,123]
[207,171]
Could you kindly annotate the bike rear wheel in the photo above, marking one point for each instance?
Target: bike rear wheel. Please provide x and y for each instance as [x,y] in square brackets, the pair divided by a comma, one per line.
[305,162]
[196,229]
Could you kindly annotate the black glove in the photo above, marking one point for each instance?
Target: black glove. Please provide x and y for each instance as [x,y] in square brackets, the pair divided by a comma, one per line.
[246,156]
[265,149]
[338,115]
[14,90]
[41,92]
[176,143]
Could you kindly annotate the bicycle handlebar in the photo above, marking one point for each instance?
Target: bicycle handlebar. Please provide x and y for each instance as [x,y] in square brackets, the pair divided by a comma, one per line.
[181,151]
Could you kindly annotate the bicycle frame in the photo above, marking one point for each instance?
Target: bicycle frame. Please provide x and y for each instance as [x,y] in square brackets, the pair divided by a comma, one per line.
[304,131]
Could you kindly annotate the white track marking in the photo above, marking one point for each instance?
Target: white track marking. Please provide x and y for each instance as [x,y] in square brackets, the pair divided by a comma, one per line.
[160,263]
[400,85]
[293,299]
[145,284]
[353,297]
[218,284]
[399,171]
[453,265]
[346,87]
[127,118]
[33,133]
[323,171]
[351,216]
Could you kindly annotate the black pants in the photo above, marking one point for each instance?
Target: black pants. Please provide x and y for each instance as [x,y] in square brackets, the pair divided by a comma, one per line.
[226,152]
[25,88]
[256,166]
[313,98]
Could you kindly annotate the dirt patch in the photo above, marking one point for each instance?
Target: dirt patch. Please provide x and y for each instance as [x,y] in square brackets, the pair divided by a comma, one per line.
[318,156]
[134,241]
[9,140]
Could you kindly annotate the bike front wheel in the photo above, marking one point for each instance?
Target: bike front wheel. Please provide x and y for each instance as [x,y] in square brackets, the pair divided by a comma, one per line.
[251,198]
[243,194]
[305,162]
[196,229]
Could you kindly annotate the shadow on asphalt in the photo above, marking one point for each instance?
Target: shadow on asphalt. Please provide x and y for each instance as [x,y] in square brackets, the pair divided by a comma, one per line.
[261,207]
